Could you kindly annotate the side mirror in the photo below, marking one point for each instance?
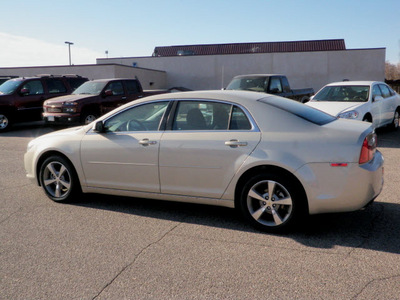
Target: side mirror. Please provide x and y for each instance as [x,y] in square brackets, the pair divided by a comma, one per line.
[107,93]
[378,98]
[24,92]
[99,127]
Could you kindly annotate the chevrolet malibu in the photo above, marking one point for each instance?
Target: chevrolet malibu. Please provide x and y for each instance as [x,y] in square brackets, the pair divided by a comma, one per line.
[273,159]
[369,101]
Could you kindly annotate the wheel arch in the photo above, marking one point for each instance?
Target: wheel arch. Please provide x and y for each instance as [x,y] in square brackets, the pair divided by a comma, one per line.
[269,169]
[48,154]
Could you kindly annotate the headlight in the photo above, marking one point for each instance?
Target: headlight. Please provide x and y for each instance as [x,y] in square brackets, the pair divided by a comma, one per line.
[69,107]
[352,114]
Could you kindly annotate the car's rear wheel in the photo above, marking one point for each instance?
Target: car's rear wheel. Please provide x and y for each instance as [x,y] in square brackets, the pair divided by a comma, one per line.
[271,202]
[5,122]
[58,179]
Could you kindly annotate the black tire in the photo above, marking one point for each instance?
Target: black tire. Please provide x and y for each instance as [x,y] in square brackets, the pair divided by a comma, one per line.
[88,117]
[272,214]
[58,179]
[5,121]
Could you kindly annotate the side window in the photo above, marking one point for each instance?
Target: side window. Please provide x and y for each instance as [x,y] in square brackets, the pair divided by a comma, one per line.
[74,83]
[376,91]
[116,88]
[201,115]
[55,86]
[207,115]
[275,85]
[33,87]
[145,117]
[385,91]
[132,87]
[239,120]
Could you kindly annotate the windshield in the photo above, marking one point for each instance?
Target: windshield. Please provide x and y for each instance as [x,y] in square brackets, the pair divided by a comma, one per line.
[9,87]
[90,88]
[344,93]
[255,84]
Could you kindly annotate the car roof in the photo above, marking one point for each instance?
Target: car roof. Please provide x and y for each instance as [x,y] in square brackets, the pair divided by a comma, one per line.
[258,75]
[223,95]
[345,83]
[111,79]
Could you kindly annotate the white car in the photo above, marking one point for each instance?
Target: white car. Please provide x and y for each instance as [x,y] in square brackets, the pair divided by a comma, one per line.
[272,158]
[370,101]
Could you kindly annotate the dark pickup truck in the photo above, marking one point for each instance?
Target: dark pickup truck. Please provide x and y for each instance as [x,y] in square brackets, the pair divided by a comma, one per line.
[271,84]
[93,99]
[21,99]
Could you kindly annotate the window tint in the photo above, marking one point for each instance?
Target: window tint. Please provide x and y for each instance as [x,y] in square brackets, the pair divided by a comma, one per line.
[75,82]
[275,85]
[303,111]
[376,91]
[132,87]
[144,117]
[385,91]
[34,87]
[208,115]
[55,86]
[350,93]
[116,88]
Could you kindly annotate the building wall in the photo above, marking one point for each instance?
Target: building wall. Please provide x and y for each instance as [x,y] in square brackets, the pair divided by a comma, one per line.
[304,69]
[150,79]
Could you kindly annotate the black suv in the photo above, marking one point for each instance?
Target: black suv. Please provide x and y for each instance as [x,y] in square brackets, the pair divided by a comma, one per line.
[21,99]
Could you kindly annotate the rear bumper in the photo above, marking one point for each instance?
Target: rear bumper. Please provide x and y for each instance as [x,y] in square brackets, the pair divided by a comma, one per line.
[342,189]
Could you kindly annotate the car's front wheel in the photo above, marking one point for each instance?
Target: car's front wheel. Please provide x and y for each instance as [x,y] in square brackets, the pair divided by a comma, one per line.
[271,202]
[58,179]
[5,122]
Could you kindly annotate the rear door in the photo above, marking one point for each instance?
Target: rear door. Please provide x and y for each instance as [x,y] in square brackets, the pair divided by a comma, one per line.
[206,144]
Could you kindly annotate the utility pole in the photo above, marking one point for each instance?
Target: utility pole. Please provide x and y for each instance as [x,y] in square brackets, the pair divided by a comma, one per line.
[69,51]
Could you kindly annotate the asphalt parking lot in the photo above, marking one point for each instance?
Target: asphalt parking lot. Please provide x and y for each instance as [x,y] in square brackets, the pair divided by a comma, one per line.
[105,247]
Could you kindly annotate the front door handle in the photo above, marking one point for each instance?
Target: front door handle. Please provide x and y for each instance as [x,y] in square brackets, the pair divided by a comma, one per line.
[235,143]
[147,142]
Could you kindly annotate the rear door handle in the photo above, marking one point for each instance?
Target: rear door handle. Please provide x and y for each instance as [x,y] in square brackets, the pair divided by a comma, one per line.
[147,142]
[235,143]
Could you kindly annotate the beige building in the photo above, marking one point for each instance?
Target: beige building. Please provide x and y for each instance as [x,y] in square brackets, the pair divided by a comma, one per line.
[202,67]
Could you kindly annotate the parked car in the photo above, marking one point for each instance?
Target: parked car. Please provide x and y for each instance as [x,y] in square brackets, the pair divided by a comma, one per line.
[93,99]
[5,78]
[272,158]
[21,99]
[271,84]
[369,101]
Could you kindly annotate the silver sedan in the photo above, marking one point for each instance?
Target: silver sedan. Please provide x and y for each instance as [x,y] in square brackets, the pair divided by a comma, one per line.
[272,158]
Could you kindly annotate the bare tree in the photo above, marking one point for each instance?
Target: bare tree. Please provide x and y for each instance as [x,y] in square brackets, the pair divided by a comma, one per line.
[392,72]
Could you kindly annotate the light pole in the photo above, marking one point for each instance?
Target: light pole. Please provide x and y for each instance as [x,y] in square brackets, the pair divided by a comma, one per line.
[69,51]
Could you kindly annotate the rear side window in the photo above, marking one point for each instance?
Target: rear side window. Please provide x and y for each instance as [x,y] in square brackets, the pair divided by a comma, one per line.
[132,87]
[55,86]
[74,83]
[209,115]
[303,111]
[385,91]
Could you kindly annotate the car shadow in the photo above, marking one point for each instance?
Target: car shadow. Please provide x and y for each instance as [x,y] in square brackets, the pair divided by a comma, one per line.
[374,228]
[388,138]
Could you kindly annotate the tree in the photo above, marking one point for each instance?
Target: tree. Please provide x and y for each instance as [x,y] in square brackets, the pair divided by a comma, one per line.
[392,72]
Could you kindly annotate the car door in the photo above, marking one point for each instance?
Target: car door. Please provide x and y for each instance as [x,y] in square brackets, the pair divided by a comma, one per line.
[377,106]
[388,104]
[125,156]
[207,143]
[29,100]
[113,96]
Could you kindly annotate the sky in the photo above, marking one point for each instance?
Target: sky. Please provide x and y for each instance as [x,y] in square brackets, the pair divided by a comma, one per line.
[34,32]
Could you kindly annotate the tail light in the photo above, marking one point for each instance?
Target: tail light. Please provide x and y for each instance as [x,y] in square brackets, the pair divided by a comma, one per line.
[368,148]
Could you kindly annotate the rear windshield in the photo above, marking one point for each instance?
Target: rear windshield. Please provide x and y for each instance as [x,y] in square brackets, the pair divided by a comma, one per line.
[301,110]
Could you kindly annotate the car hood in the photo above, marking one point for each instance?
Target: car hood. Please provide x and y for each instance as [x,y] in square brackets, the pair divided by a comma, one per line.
[334,108]
[67,98]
